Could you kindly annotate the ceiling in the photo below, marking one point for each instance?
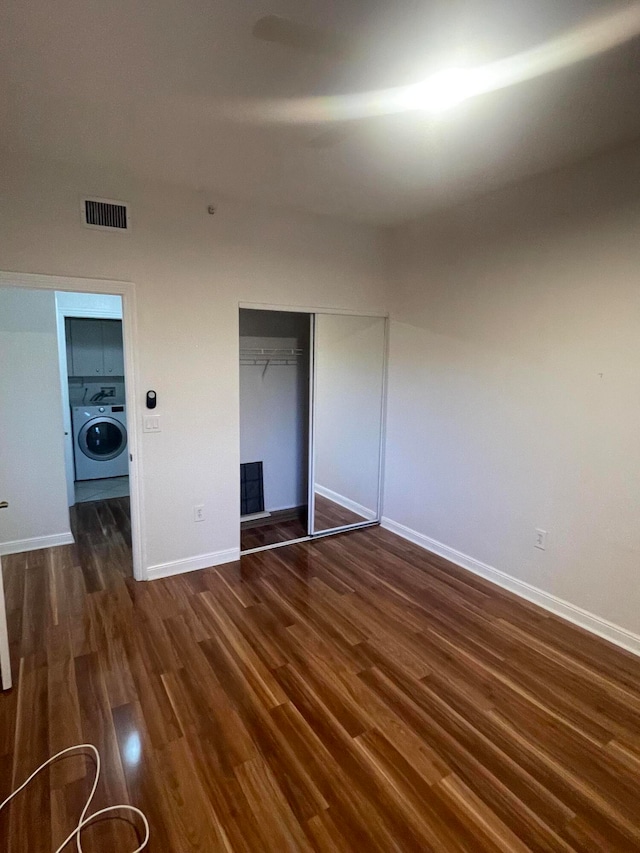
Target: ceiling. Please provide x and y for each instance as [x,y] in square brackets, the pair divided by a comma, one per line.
[137,85]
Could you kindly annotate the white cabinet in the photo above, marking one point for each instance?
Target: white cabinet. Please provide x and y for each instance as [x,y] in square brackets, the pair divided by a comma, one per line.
[112,348]
[94,347]
[86,347]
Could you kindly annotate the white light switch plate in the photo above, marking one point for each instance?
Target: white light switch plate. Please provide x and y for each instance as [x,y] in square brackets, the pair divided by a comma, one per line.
[540,540]
[151,423]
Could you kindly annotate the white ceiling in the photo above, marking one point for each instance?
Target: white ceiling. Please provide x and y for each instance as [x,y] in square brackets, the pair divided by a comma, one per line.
[135,84]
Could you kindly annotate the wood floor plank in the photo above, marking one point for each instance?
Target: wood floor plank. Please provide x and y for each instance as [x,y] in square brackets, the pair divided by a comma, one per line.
[194,824]
[31,749]
[440,827]
[280,827]
[350,694]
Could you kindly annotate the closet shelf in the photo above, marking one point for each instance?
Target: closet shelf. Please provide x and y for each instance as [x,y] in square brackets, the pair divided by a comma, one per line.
[268,355]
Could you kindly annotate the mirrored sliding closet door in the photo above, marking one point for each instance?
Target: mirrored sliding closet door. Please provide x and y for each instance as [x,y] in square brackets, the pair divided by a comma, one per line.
[349,385]
[312,390]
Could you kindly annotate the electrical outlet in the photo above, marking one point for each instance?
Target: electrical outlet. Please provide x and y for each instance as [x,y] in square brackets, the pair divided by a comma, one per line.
[198,513]
[110,391]
[541,539]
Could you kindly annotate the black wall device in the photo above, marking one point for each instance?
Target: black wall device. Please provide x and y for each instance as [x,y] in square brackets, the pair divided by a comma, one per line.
[151,399]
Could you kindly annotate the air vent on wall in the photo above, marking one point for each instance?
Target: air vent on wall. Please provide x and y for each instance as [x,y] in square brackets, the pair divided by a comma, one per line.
[105,214]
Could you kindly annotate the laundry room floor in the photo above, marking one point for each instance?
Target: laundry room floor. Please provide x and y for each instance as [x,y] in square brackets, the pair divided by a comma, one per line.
[101,490]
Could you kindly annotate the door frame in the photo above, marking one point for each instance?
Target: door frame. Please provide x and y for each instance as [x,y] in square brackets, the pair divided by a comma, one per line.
[125,289]
[5,654]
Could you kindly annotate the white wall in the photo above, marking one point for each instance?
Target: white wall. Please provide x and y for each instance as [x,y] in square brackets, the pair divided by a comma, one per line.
[348,397]
[190,270]
[274,413]
[32,475]
[514,398]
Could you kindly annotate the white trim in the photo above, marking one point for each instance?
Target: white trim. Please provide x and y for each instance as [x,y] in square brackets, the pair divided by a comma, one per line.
[383,418]
[192,564]
[311,438]
[63,367]
[19,546]
[564,609]
[347,503]
[254,516]
[5,656]
[345,528]
[89,313]
[61,282]
[274,545]
[310,309]
[127,290]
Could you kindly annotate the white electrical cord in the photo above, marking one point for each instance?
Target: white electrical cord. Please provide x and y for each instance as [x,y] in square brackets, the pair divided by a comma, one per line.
[84,820]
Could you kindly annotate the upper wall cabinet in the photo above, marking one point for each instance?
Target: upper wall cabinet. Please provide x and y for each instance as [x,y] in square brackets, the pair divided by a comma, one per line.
[112,348]
[94,347]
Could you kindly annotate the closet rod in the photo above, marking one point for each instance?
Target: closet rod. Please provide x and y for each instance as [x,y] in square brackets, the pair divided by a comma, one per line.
[265,356]
[269,352]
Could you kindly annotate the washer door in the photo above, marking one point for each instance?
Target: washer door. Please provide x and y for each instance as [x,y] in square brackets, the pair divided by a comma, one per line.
[102,439]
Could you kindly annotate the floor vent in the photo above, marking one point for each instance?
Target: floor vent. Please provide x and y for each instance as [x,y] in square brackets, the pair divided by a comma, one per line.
[104,214]
[251,488]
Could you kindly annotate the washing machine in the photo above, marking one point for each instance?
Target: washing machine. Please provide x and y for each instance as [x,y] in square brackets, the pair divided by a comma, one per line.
[99,441]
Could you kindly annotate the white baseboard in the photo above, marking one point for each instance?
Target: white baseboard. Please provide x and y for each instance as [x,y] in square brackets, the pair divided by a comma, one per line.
[19,546]
[192,564]
[359,509]
[571,612]
[254,516]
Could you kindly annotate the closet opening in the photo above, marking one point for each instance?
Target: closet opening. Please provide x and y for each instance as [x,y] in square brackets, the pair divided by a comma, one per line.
[312,404]
[275,382]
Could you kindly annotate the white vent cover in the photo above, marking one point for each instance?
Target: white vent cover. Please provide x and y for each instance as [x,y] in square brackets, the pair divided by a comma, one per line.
[105,214]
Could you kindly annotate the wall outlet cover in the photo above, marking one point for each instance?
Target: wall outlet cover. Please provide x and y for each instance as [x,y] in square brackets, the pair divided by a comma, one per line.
[541,539]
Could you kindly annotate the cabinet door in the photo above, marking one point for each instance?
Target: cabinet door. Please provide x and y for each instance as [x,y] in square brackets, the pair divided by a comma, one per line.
[67,338]
[86,347]
[112,342]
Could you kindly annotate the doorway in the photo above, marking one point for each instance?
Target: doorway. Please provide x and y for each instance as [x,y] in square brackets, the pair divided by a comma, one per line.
[93,386]
[275,351]
[70,473]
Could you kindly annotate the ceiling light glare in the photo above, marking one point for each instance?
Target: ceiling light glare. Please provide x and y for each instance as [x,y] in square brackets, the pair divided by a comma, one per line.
[439,93]
[446,89]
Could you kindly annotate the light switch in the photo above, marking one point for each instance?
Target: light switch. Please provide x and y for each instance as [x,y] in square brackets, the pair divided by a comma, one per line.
[151,423]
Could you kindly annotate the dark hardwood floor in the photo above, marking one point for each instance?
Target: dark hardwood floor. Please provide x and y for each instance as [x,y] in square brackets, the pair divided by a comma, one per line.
[276,529]
[280,527]
[102,530]
[353,693]
[329,514]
